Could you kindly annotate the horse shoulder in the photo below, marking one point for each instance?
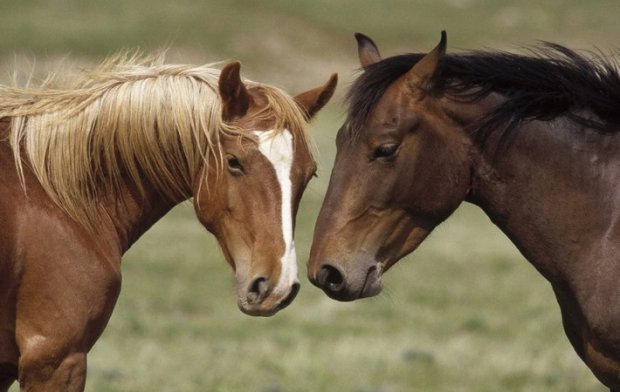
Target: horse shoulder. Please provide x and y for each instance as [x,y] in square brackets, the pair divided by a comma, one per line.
[58,282]
[67,288]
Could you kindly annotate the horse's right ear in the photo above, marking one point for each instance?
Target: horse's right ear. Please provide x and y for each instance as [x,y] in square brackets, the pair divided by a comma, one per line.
[366,50]
[234,95]
[424,69]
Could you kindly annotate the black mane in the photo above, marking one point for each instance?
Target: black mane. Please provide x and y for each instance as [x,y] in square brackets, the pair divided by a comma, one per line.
[548,82]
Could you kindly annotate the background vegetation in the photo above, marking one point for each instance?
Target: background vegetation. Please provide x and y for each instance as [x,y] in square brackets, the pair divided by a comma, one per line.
[464,313]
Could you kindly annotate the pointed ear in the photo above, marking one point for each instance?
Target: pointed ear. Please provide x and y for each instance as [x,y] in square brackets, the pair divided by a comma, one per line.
[313,100]
[424,69]
[234,95]
[366,50]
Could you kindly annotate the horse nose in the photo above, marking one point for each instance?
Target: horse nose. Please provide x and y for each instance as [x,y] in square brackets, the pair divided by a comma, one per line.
[330,279]
[258,290]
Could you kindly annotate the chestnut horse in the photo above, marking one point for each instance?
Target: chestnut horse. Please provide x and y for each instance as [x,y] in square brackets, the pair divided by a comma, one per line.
[531,139]
[85,170]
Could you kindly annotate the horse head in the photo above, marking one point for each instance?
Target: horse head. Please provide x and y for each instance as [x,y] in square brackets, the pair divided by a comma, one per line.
[249,192]
[400,169]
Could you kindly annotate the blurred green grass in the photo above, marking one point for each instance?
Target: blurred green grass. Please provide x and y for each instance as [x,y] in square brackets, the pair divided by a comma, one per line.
[464,313]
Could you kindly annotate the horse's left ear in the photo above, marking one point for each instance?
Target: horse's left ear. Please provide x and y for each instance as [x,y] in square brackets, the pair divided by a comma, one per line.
[424,69]
[234,95]
[313,100]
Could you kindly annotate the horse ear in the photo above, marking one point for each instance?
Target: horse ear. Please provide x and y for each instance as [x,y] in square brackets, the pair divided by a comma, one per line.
[234,95]
[424,69]
[313,100]
[367,50]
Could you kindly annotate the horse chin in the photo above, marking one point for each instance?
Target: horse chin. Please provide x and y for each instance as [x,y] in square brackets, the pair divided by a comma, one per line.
[262,310]
[257,311]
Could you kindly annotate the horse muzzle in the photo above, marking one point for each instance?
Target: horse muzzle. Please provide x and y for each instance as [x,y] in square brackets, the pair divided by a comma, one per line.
[360,282]
[260,299]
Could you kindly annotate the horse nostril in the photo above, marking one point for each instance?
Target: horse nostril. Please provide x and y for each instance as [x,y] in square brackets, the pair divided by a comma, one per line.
[330,278]
[259,288]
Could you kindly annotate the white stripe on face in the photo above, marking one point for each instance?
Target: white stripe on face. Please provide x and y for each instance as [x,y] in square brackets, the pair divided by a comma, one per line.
[278,149]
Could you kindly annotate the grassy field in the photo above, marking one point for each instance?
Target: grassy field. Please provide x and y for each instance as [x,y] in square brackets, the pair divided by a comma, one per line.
[464,313]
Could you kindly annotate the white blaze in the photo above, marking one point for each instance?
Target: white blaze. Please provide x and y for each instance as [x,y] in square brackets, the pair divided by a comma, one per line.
[278,149]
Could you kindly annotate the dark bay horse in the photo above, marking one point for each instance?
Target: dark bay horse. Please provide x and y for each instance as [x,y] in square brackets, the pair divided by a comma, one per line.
[85,170]
[532,139]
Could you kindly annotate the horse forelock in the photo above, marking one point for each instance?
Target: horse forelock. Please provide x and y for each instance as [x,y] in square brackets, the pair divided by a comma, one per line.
[130,120]
[288,116]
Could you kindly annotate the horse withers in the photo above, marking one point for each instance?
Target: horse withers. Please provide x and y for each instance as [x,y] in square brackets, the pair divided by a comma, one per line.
[533,140]
[85,170]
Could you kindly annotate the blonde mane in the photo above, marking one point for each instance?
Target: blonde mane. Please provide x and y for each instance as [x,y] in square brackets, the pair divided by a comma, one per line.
[129,120]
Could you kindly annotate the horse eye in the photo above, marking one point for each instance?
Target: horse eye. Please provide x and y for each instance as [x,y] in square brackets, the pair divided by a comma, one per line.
[234,165]
[385,151]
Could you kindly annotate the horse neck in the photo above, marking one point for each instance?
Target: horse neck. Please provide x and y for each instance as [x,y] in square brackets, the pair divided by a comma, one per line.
[132,212]
[552,191]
